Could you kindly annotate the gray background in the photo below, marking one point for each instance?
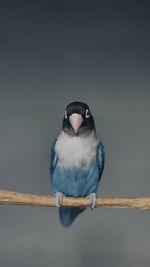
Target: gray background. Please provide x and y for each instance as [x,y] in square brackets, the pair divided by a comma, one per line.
[51,53]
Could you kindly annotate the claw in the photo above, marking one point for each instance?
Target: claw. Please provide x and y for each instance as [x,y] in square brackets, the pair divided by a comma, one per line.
[92,198]
[59,197]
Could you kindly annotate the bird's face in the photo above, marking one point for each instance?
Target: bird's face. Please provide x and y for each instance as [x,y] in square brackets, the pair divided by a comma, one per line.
[78,119]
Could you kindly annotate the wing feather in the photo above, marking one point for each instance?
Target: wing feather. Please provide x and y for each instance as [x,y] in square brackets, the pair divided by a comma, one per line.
[101,159]
[53,159]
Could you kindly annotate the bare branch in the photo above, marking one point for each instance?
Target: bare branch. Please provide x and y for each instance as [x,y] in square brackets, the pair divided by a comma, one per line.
[15,198]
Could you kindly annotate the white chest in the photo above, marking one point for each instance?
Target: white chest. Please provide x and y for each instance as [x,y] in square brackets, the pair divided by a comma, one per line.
[75,151]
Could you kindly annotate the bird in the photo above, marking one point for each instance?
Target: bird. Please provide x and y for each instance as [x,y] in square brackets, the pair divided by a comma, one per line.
[77,160]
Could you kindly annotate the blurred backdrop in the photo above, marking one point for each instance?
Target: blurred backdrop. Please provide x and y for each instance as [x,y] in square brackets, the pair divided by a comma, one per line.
[52,53]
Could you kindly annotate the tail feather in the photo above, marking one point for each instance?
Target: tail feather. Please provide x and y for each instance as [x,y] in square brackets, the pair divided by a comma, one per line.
[68,214]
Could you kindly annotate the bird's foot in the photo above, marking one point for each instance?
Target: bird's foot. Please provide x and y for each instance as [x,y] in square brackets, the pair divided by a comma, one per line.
[92,198]
[59,197]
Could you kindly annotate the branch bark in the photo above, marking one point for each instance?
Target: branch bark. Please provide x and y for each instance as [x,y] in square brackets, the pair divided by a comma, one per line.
[15,198]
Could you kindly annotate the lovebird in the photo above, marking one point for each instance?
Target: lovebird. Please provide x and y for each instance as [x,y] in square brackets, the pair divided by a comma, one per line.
[77,160]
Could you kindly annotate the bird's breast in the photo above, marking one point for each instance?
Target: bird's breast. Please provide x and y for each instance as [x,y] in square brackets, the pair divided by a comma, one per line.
[76,151]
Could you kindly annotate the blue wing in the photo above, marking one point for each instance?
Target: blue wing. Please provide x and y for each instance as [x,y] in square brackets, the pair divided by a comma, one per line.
[100,159]
[53,159]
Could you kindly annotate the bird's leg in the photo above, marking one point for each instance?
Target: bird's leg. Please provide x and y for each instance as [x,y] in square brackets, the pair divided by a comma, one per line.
[92,198]
[59,197]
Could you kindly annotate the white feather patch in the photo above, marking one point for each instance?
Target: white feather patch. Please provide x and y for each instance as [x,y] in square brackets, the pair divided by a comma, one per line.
[76,151]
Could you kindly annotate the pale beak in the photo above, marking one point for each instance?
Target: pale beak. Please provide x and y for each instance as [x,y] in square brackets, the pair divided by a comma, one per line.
[76,121]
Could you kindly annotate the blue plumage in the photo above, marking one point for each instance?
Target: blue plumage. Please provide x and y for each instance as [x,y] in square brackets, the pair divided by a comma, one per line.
[77,182]
[73,172]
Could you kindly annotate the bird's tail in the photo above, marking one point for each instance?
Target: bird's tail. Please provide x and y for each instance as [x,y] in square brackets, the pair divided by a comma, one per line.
[68,214]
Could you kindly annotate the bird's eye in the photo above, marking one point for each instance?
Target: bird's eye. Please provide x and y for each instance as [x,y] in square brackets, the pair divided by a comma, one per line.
[66,114]
[87,113]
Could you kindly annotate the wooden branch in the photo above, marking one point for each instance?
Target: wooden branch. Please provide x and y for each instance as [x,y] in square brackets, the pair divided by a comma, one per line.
[15,198]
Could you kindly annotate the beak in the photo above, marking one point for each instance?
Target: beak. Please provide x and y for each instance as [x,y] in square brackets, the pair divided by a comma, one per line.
[76,121]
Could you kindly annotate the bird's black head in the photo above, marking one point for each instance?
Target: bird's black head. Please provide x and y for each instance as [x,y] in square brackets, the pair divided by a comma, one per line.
[78,119]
